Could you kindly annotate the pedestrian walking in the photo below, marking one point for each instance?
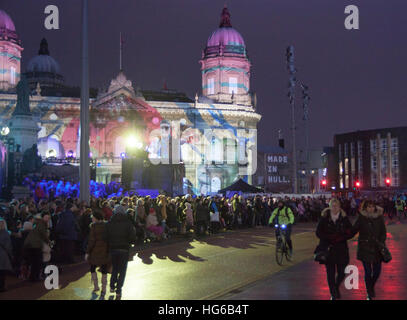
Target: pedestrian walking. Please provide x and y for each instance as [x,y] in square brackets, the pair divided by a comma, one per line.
[372,236]
[34,245]
[120,234]
[333,230]
[97,252]
[5,254]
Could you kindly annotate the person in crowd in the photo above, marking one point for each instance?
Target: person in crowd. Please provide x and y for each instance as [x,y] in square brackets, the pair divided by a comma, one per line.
[202,217]
[34,244]
[372,229]
[97,252]
[189,216]
[400,207]
[333,230]
[120,235]
[5,254]
[67,233]
[84,226]
[214,215]
[153,226]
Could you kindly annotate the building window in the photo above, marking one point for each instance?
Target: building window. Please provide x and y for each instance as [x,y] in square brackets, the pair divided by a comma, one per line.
[374,180]
[346,166]
[346,150]
[384,145]
[360,149]
[340,168]
[352,149]
[374,163]
[360,166]
[341,183]
[346,181]
[13,75]
[373,146]
[211,86]
[232,85]
[340,152]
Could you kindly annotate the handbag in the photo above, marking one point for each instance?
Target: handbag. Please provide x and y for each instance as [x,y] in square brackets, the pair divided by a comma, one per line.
[384,251]
[321,253]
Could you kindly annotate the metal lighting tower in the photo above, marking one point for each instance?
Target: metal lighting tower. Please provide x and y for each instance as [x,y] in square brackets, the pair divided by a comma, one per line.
[84,169]
[291,95]
[306,99]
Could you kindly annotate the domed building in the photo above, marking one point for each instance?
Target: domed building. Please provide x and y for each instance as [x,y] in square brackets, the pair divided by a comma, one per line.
[225,65]
[213,137]
[44,69]
[10,53]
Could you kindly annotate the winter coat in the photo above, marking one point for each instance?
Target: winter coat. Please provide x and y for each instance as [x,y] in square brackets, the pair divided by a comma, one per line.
[67,228]
[202,213]
[189,214]
[335,235]
[120,232]
[107,213]
[5,251]
[98,249]
[370,227]
[36,238]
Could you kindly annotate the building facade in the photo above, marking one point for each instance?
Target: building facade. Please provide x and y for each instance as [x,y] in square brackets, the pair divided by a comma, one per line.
[371,157]
[213,135]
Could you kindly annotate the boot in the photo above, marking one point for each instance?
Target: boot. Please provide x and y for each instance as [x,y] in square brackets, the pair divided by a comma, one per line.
[94,278]
[104,284]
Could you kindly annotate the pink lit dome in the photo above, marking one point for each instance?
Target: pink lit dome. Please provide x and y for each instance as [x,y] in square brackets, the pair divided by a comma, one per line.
[6,22]
[226,36]
[225,39]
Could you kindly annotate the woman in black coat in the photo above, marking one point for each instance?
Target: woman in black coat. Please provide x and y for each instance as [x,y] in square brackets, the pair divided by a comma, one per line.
[372,229]
[334,229]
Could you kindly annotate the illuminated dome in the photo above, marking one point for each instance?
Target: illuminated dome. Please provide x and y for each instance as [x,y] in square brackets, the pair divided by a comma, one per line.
[7,28]
[5,22]
[43,68]
[225,39]
[43,62]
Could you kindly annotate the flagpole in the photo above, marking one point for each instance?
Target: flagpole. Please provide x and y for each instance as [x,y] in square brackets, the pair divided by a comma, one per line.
[84,168]
[121,44]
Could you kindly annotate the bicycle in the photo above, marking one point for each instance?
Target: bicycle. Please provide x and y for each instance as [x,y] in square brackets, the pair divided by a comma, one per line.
[282,245]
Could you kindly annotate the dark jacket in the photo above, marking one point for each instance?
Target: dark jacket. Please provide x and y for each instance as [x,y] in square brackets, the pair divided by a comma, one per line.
[202,213]
[5,251]
[120,232]
[67,227]
[370,228]
[98,249]
[335,235]
[37,236]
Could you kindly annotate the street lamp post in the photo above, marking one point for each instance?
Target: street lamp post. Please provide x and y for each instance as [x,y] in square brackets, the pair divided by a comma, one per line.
[291,95]
[84,169]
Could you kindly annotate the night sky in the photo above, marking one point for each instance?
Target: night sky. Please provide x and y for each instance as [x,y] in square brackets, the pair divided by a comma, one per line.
[357,78]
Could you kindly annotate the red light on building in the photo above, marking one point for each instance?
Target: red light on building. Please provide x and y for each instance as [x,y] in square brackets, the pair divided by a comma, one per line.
[357,184]
[323,182]
[388,182]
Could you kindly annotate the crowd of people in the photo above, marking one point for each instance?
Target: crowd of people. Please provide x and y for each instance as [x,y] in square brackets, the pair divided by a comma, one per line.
[56,227]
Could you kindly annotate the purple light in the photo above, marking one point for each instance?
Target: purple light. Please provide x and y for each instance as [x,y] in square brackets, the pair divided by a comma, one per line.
[123,155]
[70,154]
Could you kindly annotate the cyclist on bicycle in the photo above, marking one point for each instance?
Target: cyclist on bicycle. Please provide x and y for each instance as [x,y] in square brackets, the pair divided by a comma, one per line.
[284,216]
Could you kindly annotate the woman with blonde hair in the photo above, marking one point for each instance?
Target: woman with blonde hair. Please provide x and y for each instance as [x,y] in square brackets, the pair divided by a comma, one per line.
[333,230]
